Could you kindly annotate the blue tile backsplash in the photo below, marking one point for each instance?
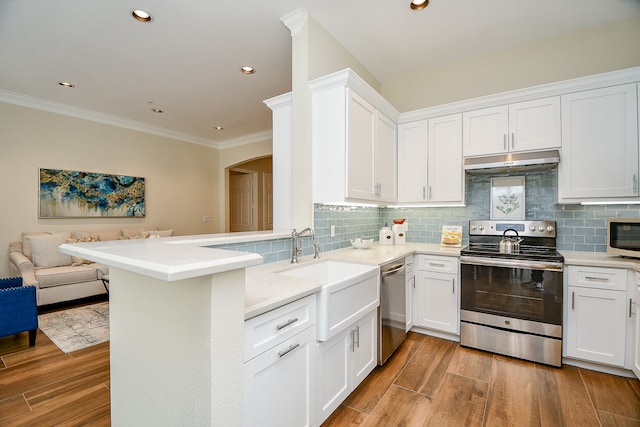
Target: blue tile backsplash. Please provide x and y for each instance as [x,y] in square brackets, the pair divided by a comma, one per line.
[580,227]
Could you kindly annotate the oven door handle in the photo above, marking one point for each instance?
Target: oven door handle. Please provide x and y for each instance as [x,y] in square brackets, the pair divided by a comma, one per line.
[512,263]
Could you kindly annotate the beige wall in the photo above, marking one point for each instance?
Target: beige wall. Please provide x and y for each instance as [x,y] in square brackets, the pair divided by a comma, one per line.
[181,178]
[607,48]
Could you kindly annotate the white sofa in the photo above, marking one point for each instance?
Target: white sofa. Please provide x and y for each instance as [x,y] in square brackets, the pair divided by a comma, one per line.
[59,277]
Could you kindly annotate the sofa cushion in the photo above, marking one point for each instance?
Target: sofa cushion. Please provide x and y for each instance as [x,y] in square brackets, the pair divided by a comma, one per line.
[44,250]
[26,247]
[57,276]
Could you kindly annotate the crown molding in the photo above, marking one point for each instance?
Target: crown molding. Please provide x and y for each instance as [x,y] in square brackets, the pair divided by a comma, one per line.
[295,21]
[244,140]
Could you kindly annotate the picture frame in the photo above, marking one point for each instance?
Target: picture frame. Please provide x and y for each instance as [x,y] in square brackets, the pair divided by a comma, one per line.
[75,194]
[508,198]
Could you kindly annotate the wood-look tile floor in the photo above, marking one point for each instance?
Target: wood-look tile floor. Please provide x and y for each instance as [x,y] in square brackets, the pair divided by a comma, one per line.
[435,382]
[427,382]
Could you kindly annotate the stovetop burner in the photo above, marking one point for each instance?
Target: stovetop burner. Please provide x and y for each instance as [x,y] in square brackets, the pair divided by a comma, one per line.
[492,250]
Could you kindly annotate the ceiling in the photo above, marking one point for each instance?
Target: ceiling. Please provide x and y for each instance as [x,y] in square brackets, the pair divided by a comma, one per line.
[186,61]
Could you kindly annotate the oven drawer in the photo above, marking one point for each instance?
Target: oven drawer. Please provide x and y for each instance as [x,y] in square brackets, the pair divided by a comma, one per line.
[441,264]
[598,277]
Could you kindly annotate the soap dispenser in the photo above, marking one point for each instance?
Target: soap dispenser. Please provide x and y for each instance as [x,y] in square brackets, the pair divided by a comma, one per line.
[386,235]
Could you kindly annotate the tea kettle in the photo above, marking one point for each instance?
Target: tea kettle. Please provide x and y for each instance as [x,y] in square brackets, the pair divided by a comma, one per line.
[509,245]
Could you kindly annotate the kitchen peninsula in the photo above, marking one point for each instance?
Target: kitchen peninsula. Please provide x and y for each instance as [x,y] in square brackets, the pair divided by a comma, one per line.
[176,325]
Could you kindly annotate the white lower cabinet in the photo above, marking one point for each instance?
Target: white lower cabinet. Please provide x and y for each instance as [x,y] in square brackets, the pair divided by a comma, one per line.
[280,382]
[410,283]
[437,293]
[635,357]
[343,362]
[596,315]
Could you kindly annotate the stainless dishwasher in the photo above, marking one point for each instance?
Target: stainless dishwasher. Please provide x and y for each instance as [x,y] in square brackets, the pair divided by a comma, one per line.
[392,313]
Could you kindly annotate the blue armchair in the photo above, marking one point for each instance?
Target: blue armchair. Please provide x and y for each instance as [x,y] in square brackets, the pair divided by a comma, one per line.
[18,309]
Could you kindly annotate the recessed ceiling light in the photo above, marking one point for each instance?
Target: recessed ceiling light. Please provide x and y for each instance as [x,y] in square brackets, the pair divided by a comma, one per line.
[247,69]
[418,4]
[141,15]
[157,110]
[218,128]
[67,84]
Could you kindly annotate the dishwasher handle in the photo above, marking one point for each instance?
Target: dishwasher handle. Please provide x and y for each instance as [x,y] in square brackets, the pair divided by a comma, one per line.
[394,269]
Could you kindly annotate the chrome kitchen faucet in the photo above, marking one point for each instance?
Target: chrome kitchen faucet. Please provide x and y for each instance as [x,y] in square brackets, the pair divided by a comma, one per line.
[296,247]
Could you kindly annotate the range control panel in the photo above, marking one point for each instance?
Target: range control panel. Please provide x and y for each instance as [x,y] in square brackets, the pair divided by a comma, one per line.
[523,228]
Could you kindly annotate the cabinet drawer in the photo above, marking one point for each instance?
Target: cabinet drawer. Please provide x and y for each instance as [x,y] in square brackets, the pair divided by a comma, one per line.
[598,277]
[267,330]
[442,264]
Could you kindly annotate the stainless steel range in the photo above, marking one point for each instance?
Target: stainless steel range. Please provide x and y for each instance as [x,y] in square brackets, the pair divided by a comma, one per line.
[511,290]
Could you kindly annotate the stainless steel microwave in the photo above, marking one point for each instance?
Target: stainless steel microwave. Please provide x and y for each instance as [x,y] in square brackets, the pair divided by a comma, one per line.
[623,237]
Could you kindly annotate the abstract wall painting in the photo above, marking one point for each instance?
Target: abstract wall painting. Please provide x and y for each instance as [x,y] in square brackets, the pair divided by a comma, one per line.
[73,194]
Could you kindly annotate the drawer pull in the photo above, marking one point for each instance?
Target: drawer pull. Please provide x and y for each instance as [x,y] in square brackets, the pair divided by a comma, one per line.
[289,322]
[573,300]
[435,264]
[597,279]
[630,307]
[289,350]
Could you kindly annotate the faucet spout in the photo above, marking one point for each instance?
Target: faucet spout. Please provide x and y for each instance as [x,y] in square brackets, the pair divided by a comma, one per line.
[295,248]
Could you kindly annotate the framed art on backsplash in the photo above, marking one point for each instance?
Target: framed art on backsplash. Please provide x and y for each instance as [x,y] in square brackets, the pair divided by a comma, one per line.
[73,194]
[507,198]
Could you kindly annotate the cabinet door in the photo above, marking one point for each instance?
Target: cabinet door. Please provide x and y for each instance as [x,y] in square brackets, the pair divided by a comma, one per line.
[596,325]
[364,347]
[333,373]
[485,131]
[409,290]
[636,336]
[385,159]
[361,123]
[412,161]
[280,384]
[599,144]
[534,125]
[444,171]
[438,301]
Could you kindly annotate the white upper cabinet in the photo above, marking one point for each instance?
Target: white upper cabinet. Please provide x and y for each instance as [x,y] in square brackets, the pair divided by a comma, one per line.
[523,126]
[430,161]
[599,158]
[353,141]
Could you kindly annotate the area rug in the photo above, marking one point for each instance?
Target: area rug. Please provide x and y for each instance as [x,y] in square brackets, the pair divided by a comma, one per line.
[77,328]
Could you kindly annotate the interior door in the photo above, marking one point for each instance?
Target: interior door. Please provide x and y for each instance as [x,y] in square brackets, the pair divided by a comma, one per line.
[241,201]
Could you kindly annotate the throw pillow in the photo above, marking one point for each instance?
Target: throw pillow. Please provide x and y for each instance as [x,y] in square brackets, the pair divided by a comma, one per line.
[75,261]
[44,250]
[143,235]
[161,233]
[26,247]
[134,231]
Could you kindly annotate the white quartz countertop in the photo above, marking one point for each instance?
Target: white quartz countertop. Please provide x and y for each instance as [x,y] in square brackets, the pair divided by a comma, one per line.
[599,259]
[166,259]
[267,290]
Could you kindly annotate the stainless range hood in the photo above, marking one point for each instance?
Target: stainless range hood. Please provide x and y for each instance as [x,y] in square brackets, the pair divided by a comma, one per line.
[513,162]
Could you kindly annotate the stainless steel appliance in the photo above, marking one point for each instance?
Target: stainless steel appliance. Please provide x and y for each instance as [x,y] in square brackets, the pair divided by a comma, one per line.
[623,237]
[392,313]
[511,302]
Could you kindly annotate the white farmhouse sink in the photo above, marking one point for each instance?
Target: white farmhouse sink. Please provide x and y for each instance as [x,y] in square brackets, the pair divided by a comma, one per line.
[348,291]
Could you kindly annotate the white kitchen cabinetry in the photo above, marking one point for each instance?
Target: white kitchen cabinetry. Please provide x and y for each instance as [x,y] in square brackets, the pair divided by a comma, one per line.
[523,126]
[344,361]
[410,283]
[596,321]
[354,148]
[279,368]
[599,158]
[438,289]
[635,354]
[429,161]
